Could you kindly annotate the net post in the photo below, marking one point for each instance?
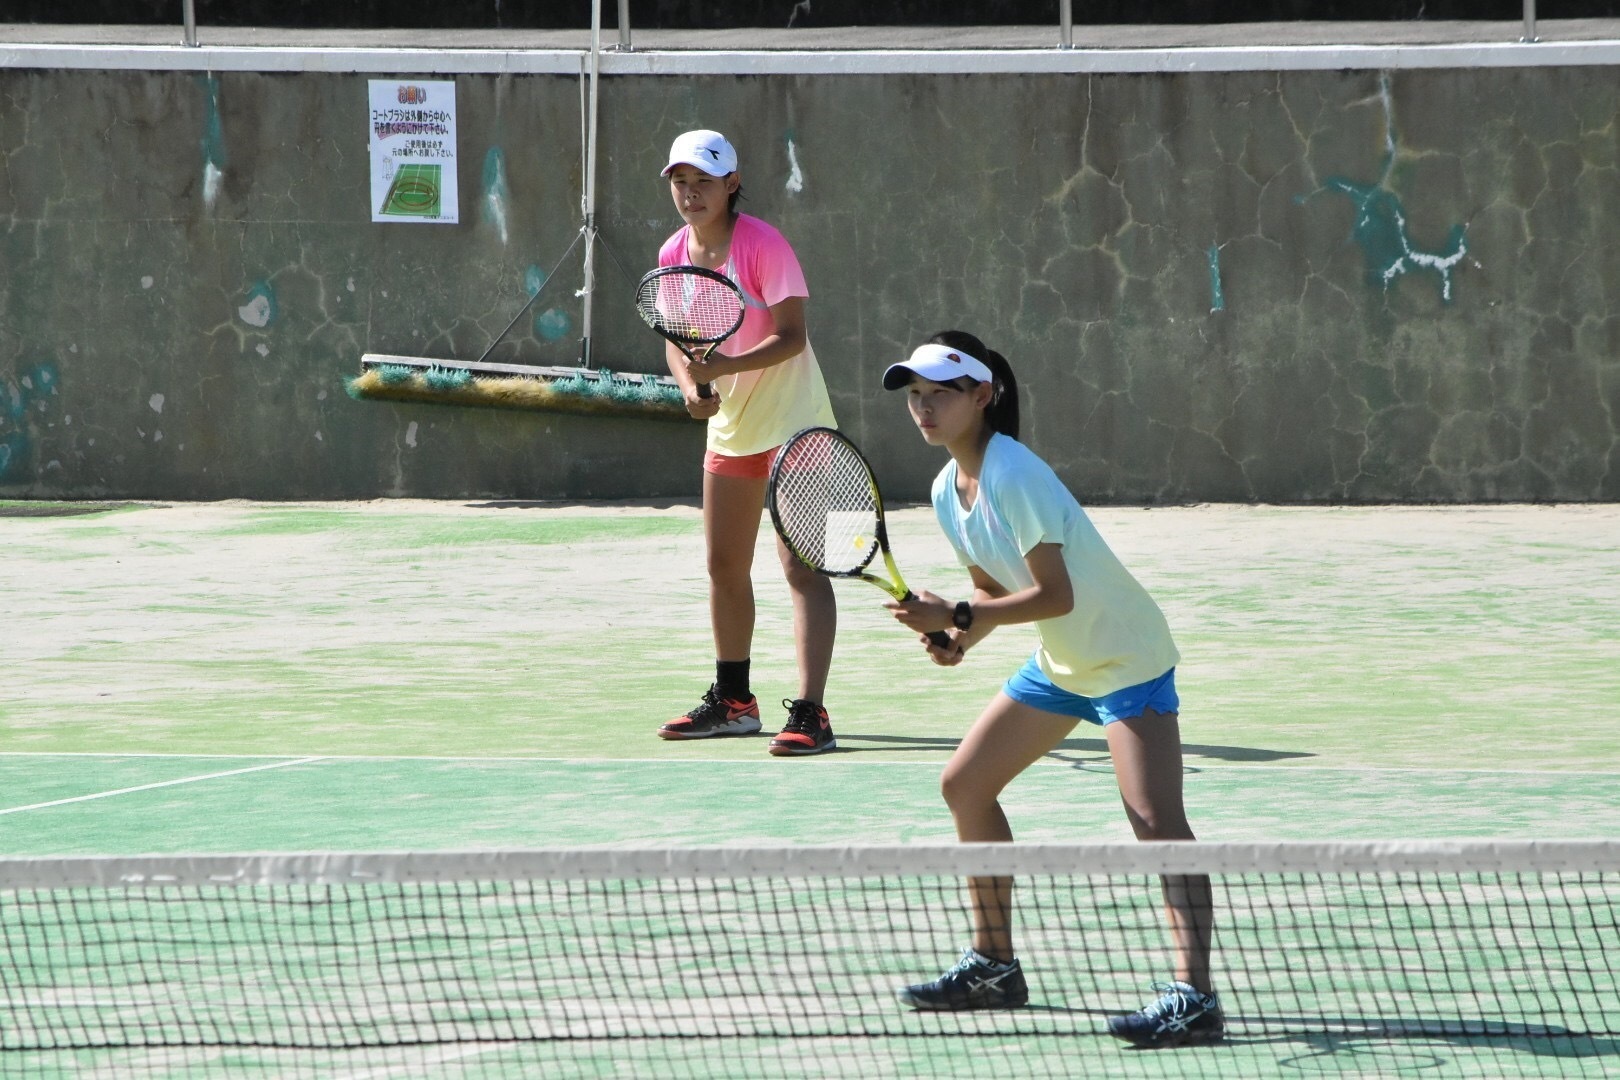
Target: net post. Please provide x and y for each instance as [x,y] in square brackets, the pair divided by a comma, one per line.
[1529,22]
[1066,23]
[188,9]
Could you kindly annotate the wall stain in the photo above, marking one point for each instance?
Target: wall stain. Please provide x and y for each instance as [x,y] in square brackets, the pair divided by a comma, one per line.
[17,399]
[1381,220]
[1386,245]
[260,309]
[213,141]
[534,279]
[795,180]
[496,193]
[553,324]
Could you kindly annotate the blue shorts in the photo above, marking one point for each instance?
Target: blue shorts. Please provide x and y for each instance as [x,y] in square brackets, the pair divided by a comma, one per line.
[1030,686]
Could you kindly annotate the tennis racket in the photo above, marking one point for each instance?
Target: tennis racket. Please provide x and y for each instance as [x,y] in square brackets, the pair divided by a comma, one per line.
[825,505]
[691,306]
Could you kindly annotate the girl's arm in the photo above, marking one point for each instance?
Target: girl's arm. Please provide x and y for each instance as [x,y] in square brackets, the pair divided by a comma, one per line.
[1051,596]
[787,342]
[985,588]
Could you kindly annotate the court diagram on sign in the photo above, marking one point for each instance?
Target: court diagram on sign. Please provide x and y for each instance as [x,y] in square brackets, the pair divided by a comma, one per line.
[414,192]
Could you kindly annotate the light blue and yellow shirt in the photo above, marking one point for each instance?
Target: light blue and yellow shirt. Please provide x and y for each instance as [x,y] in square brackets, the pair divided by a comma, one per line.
[1115,636]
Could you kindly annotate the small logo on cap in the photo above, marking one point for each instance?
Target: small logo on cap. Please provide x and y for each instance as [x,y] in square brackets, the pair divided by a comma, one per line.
[953,358]
[712,152]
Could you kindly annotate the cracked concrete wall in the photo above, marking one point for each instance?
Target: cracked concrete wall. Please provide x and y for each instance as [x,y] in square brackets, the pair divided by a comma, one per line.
[1285,287]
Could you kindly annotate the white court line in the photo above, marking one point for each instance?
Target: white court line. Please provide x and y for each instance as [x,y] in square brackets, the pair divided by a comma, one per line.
[163,784]
[413,1068]
[1200,766]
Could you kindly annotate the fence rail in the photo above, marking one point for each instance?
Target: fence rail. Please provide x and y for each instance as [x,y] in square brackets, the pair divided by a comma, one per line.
[1065,23]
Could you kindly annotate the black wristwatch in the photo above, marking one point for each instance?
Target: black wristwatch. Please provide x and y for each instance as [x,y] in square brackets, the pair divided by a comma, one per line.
[963,615]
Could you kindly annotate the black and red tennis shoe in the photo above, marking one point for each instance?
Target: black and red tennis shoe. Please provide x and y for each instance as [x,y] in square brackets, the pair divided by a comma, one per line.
[715,715]
[808,731]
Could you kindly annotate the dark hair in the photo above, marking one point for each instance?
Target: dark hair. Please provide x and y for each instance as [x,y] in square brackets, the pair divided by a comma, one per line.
[1002,412]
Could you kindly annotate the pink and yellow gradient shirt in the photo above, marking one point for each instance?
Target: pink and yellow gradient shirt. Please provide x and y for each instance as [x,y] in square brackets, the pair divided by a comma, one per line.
[759,410]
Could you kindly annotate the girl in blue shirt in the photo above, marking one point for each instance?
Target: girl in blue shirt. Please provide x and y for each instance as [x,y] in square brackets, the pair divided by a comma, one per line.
[1104,655]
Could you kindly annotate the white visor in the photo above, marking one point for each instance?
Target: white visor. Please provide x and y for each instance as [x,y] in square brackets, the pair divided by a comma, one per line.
[939,363]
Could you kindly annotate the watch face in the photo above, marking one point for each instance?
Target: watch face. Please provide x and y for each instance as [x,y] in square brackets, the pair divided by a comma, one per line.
[962,616]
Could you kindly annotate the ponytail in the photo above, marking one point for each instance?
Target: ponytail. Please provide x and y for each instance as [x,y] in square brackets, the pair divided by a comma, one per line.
[1002,412]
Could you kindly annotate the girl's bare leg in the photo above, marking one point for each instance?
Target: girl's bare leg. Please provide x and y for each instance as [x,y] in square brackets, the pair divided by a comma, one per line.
[1005,740]
[1147,762]
[815,623]
[732,506]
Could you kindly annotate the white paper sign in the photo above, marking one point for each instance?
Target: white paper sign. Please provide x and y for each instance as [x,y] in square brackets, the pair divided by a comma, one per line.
[413,151]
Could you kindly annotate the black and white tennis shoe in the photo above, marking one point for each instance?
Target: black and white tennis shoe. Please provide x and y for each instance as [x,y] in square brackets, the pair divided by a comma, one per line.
[1179,1016]
[976,982]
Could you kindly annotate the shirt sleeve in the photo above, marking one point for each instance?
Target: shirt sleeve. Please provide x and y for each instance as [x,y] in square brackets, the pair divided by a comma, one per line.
[673,253]
[1033,504]
[774,267]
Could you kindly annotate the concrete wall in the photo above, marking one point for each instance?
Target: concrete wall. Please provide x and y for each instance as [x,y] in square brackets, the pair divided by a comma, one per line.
[1281,286]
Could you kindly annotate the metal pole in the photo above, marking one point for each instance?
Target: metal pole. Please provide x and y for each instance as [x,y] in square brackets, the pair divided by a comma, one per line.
[1066,23]
[1529,21]
[624,27]
[190,17]
[589,204]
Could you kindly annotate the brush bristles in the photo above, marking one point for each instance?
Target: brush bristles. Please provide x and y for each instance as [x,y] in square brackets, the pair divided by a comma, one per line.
[578,394]
[446,379]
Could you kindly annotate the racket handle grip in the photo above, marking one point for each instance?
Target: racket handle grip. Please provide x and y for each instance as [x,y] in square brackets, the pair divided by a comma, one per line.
[705,390]
[940,638]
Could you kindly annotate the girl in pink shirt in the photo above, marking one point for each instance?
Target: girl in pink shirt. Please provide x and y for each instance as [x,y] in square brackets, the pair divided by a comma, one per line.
[766,386]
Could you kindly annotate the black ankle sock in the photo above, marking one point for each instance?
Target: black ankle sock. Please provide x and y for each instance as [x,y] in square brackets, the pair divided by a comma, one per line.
[731,679]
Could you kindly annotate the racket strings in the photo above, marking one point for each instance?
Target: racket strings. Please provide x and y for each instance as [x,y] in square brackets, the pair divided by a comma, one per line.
[826,505]
[697,310]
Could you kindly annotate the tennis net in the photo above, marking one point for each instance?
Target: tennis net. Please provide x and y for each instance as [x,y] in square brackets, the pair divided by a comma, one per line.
[1480,958]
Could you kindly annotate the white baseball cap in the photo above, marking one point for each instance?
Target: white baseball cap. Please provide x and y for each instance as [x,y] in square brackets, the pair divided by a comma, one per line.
[706,150]
[939,363]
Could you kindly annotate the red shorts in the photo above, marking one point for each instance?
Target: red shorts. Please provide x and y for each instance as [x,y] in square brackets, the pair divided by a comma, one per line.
[749,467]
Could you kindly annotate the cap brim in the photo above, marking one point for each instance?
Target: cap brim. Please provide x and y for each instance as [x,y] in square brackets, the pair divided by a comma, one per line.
[699,166]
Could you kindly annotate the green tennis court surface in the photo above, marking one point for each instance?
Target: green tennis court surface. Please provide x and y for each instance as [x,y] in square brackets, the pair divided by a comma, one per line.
[406,675]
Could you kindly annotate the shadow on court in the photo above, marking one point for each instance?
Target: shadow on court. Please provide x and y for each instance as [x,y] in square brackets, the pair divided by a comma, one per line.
[1098,748]
[1384,1049]
[541,504]
[68,509]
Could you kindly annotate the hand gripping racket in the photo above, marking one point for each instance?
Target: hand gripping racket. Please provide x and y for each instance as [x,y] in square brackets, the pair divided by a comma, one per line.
[691,306]
[825,505]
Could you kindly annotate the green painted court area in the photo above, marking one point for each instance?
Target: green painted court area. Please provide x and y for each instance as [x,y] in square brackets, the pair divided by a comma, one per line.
[391,676]
[414,192]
